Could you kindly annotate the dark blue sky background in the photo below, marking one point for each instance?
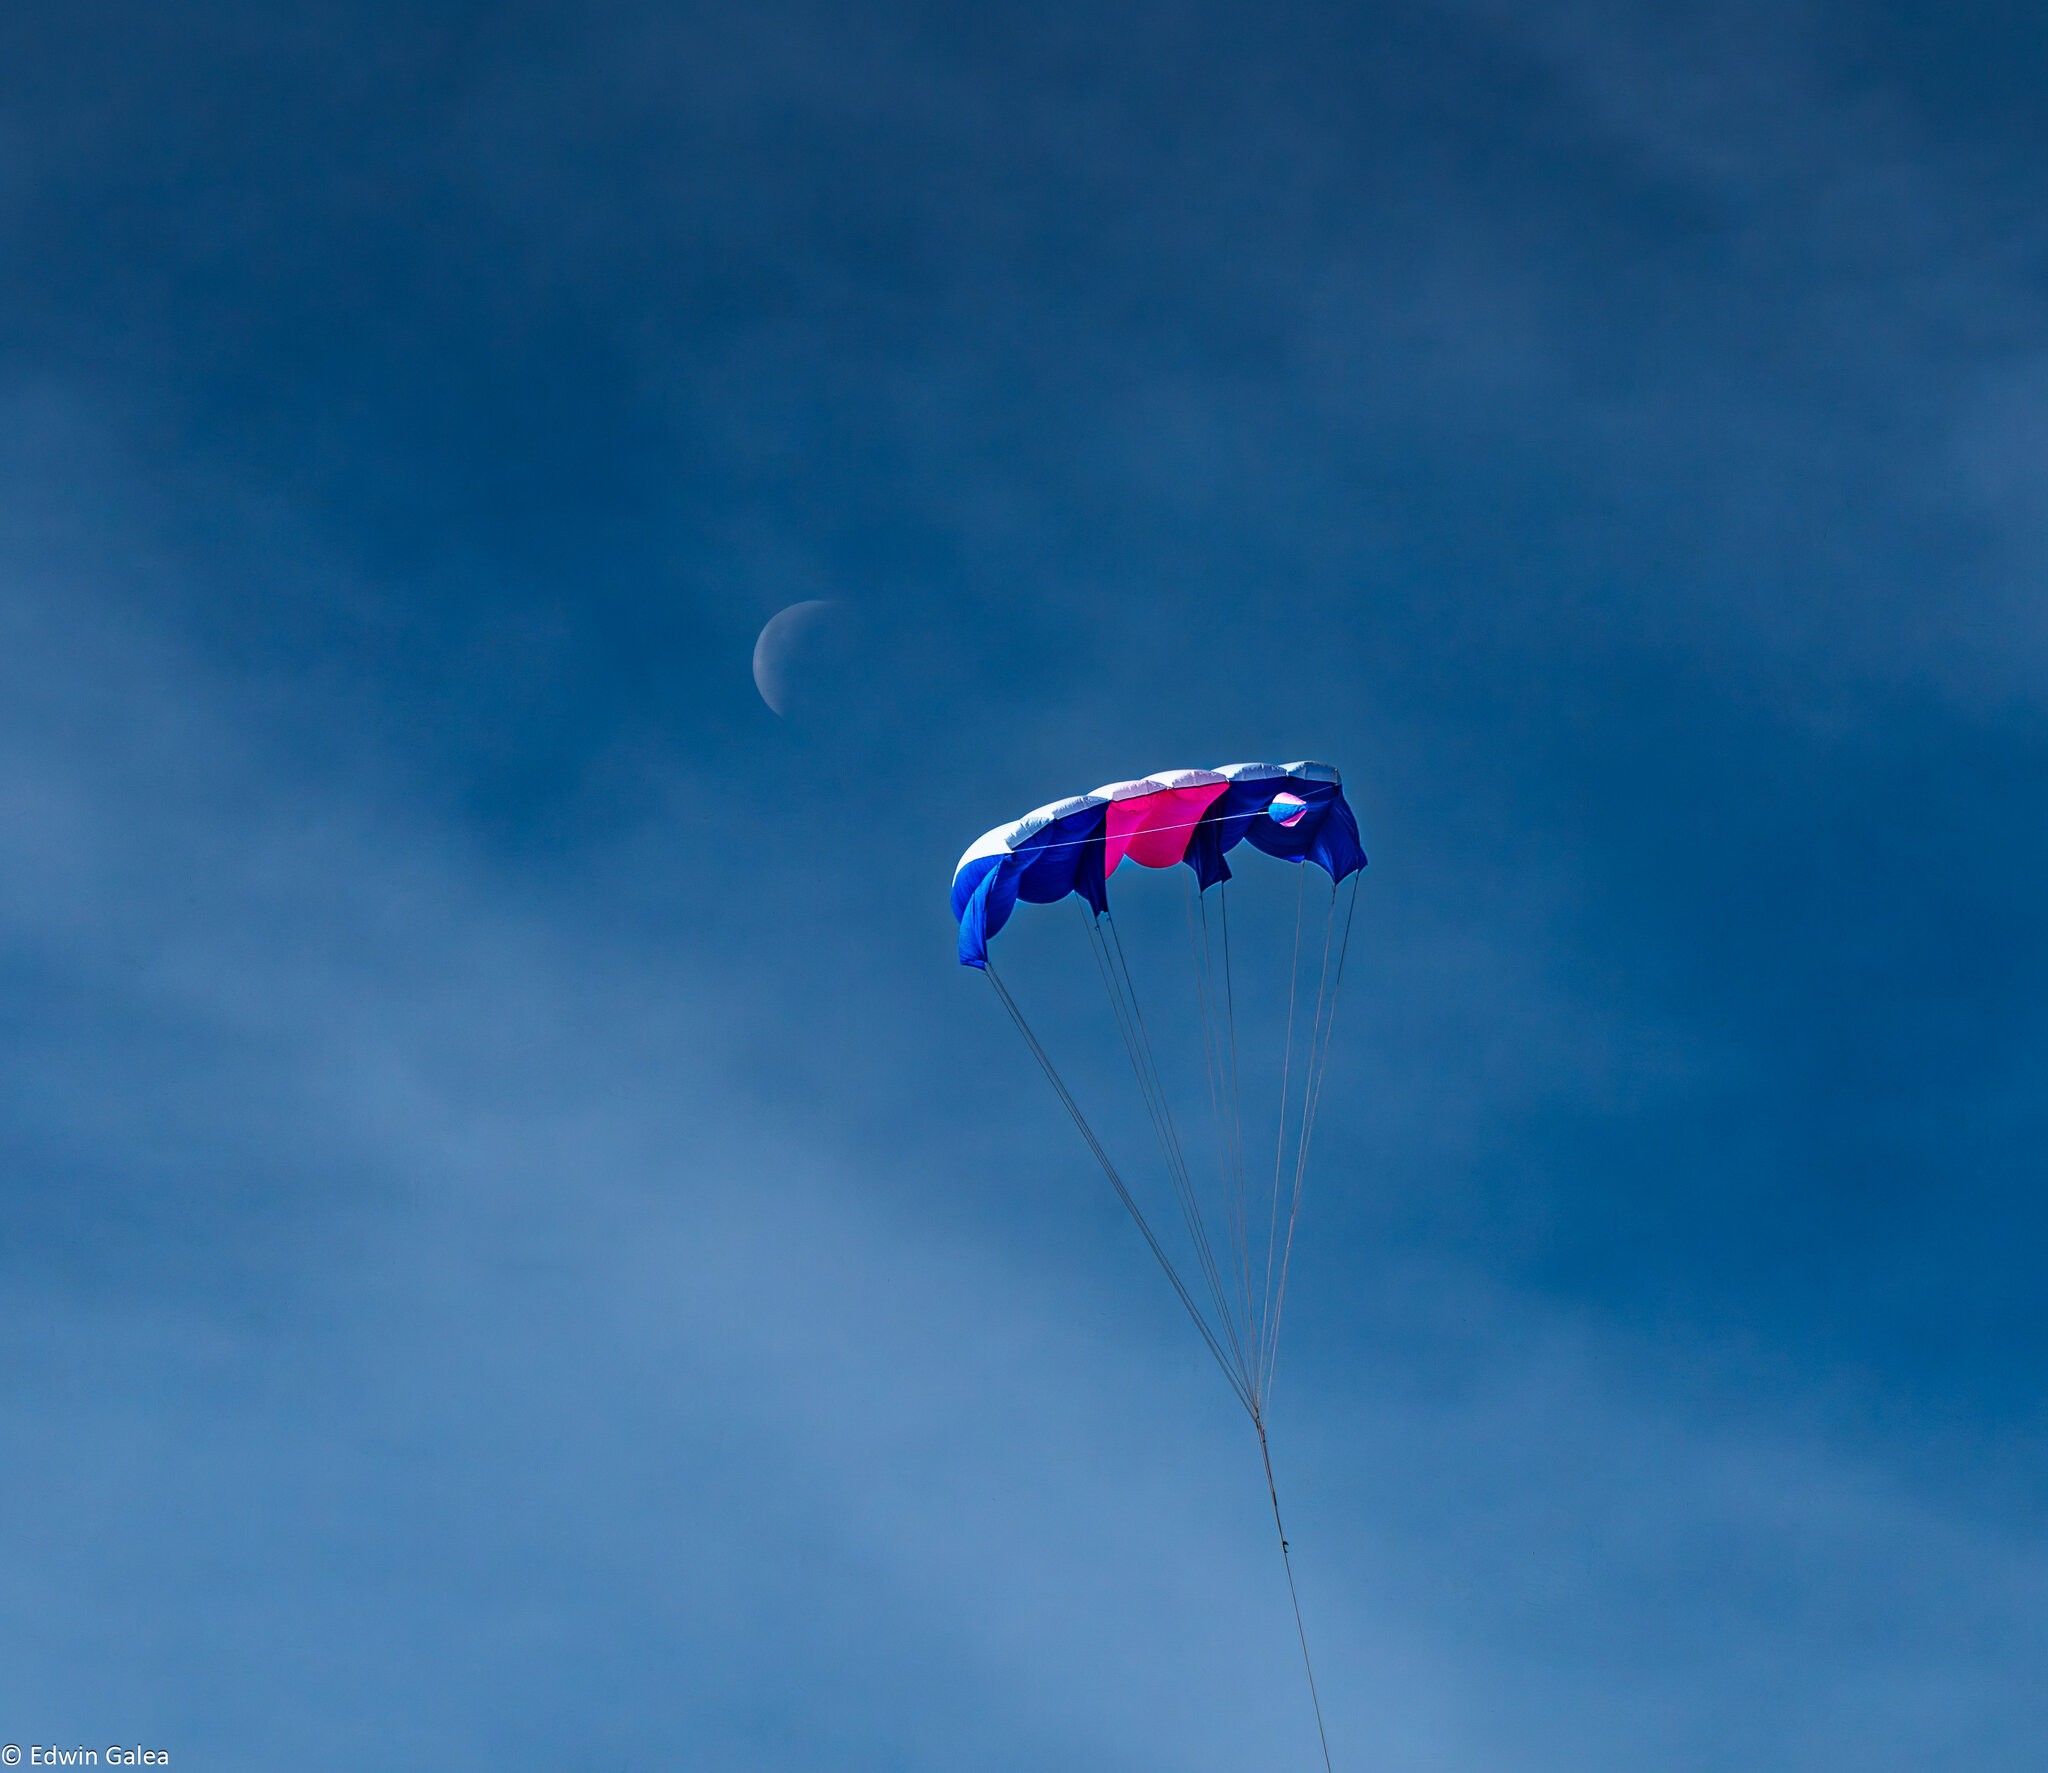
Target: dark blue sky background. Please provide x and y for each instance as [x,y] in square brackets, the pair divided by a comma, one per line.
[519,1247]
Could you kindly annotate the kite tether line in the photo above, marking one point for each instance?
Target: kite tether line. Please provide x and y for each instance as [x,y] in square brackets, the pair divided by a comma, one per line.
[1244,1296]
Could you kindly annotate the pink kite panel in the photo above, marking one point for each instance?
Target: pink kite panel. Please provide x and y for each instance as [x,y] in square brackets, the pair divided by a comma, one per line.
[1154,830]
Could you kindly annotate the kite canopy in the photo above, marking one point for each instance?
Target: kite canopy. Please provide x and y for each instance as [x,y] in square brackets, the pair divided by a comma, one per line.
[1295,811]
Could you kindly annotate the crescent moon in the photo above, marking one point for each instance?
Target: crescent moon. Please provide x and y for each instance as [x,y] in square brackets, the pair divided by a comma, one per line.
[778,644]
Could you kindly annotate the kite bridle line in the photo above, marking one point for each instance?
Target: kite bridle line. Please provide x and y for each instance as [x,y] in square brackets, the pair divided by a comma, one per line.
[1245,1349]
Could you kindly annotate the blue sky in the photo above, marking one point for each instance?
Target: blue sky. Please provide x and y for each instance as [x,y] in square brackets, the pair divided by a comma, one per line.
[518,1247]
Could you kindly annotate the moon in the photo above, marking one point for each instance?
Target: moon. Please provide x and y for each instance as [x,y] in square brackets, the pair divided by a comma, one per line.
[780,641]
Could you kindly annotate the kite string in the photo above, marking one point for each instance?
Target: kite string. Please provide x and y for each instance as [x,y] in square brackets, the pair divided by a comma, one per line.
[1287,1562]
[1319,1069]
[1236,1100]
[1310,1094]
[1224,1096]
[1249,1380]
[1123,991]
[1280,1135]
[1123,1193]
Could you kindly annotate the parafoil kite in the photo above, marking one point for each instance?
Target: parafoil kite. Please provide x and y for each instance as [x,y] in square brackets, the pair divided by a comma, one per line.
[1237,1229]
